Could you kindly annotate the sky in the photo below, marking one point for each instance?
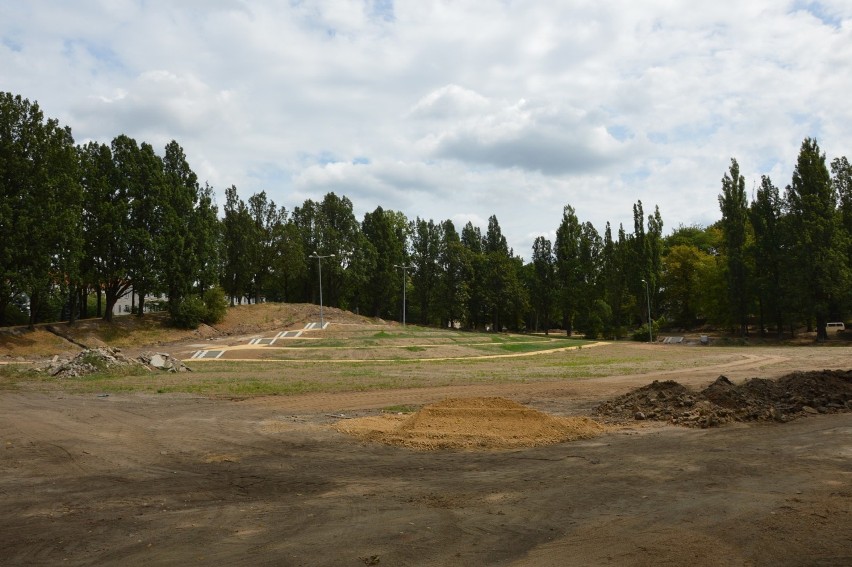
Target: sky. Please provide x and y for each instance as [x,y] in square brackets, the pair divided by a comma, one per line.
[457,109]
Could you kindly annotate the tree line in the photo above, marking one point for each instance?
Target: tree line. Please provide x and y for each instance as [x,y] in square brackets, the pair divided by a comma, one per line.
[101,221]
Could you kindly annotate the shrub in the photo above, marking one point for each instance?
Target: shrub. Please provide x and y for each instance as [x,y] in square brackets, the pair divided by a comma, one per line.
[641,334]
[216,304]
[192,310]
[189,313]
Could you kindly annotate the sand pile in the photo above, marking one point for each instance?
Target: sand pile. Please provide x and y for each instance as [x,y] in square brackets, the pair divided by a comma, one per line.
[471,423]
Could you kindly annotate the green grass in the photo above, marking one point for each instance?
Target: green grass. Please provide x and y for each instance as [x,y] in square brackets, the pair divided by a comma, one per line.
[397,365]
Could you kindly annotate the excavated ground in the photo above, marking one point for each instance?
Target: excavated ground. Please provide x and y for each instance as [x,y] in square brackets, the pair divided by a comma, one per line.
[757,399]
[471,423]
[486,477]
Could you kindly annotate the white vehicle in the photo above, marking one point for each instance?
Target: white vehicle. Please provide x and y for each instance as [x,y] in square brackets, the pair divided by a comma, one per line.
[834,327]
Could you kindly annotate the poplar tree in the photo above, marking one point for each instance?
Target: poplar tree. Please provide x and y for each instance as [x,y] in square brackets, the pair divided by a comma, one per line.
[734,206]
[180,229]
[543,282]
[426,238]
[568,267]
[822,264]
[453,291]
[766,216]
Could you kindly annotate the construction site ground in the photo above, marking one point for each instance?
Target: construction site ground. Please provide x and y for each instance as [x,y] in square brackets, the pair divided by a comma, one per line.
[187,468]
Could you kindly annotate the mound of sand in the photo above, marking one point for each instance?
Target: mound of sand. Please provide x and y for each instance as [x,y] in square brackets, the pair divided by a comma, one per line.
[471,423]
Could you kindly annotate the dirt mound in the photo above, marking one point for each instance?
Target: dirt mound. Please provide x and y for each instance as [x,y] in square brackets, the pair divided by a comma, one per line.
[471,423]
[153,330]
[757,399]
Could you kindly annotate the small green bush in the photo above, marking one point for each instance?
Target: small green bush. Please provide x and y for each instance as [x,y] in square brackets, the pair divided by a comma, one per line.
[641,334]
[192,310]
[189,313]
[216,304]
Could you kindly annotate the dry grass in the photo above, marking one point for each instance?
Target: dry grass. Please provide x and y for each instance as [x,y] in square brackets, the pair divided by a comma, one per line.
[389,356]
[21,342]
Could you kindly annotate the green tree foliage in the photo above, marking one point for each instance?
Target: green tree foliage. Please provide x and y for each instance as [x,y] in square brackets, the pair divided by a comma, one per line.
[817,245]
[289,263]
[569,268]
[140,170]
[455,274]
[180,226]
[238,234]
[264,243]
[766,215]
[41,198]
[683,267]
[471,239]
[105,213]
[543,283]
[498,274]
[112,218]
[426,239]
[613,279]
[841,181]
[206,240]
[385,236]
[330,227]
[734,226]
[590,316]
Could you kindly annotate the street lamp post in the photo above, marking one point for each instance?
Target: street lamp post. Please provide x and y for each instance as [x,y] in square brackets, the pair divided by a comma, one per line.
[403,268]
[648,299]
[319,263]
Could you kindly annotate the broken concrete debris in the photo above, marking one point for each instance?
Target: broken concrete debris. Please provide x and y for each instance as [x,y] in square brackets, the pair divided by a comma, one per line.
[100,359]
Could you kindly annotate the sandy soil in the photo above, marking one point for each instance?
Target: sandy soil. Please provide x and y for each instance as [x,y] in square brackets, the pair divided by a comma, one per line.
[130,479]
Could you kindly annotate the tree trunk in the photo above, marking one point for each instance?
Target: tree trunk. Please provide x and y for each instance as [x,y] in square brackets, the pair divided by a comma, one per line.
[72,300]
[141,309]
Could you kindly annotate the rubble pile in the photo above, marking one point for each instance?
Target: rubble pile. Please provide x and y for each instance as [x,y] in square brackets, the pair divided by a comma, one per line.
[163,361]
[757,399]
[101,359]
[88,361]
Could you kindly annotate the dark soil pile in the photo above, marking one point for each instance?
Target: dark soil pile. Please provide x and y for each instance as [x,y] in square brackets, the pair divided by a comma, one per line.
[757,399]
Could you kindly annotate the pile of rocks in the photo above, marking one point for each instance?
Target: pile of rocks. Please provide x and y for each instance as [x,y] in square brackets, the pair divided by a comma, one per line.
[101,359]
[87,362]
[758,399]
[163,361]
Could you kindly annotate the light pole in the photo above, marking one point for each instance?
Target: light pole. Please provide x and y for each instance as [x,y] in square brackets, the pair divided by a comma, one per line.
[319,263]
[648,299]
[403,268]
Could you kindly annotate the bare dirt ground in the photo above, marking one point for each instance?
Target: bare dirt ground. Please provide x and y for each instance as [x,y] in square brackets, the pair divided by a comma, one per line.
[93,479]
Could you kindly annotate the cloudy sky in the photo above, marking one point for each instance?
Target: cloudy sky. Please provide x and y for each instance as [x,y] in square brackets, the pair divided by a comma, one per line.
[451,109]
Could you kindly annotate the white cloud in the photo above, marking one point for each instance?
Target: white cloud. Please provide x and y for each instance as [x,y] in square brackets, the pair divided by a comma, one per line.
[451,109]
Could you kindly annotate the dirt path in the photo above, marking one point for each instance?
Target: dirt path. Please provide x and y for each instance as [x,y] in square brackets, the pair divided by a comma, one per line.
[132,479]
